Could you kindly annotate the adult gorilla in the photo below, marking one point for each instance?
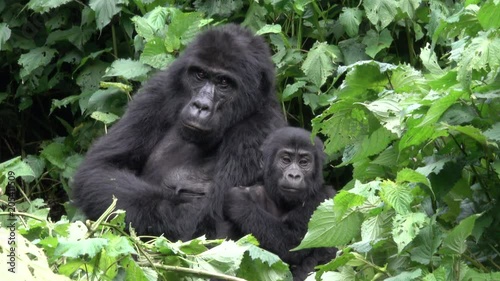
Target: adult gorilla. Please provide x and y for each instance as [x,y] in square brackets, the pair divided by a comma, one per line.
[278,211]
[192,132]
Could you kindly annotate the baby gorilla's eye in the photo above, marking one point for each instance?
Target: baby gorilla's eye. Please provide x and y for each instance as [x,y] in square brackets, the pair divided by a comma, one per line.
[286,160]
[303,162]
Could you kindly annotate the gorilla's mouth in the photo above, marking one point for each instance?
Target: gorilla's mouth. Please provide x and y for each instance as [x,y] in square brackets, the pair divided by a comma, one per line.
[195,126]
[183,192]
[291,189]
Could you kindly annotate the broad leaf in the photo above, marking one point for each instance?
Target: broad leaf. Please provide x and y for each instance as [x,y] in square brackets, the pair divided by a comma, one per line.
[128,69]
[105,10]
[406,227]
[454,242]
[350,18]
[320,62]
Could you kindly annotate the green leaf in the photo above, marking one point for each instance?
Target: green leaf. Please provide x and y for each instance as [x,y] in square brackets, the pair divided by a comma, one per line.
[157,18]
[105,10]
[406,275]
[269,28]
[454,242]
[488,15]
[34,59]
[409,175]
[439,107]
[43,6]
[14,167]
[143,28]
[106,118]
[327,229]
[155,54]
[470,131]
[291,89]
[430,60]
[128,69]
[376,42]
[482,53]
[221,8]
[5,33]
[119,245]
[77,249]
[380,12]
[397,196]
[320,62]
[494,132]
[426,244]
[375,227]
[56,154]
[350,18]
[406,227]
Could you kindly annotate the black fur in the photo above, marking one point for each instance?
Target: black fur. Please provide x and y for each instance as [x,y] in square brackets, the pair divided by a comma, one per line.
[278,212]
[190,130]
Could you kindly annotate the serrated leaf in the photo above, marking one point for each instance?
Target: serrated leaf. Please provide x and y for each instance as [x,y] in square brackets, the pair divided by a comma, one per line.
[375,227]
[380,12]
[398,196]
[439,107]
[350,18]
[157,18]
[5,33]
[155,54]
[482,53]
[14,167]
[77,249]
[454,242]
[128,69]
[55,153]
[433,165]
[406,227]
[406,275]
[409,175]
[143,28]
[470,131]
[106,118]
[269,28]
[35,58]
[488,15]
[43,6]
[291,89]
[376,42]
[430,61]
[105,10]
[119,245]
[320,62]
[494,132]
[426,244]
[326,229]
[221,8]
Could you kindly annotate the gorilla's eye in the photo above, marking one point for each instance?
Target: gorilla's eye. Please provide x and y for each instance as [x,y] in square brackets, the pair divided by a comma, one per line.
[201,75]
[303,162]
[223,82]
[286,160]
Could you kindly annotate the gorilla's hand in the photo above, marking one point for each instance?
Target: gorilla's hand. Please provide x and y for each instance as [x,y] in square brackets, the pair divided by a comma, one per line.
[238,203]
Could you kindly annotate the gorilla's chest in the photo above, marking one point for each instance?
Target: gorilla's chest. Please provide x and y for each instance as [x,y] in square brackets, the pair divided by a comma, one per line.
[175,162]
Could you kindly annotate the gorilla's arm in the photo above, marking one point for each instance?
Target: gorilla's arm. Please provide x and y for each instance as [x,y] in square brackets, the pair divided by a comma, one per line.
[113,163]
[275,234]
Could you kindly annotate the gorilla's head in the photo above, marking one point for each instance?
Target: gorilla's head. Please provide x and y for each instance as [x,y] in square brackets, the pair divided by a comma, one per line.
[293,165]
[226,76]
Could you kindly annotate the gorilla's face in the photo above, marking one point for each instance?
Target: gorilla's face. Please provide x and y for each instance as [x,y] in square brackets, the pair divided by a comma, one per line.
[295,167]
[212,91]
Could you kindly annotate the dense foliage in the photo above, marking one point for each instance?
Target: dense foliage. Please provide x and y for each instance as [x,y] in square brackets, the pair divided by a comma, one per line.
[406,95]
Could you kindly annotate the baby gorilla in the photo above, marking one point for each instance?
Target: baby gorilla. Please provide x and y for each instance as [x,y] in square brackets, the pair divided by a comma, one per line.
[278,212]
